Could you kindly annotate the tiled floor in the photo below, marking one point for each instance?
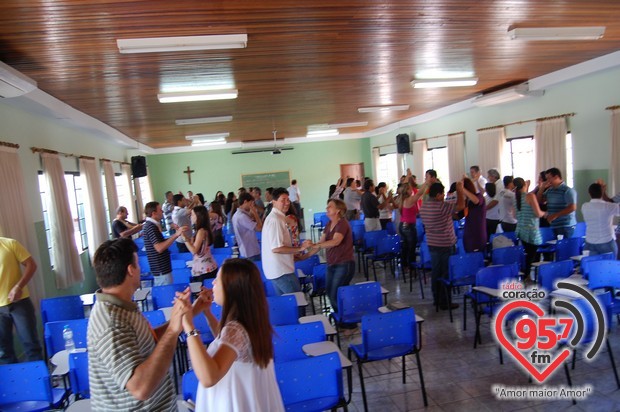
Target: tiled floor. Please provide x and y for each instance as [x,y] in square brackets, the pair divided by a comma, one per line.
[459,377]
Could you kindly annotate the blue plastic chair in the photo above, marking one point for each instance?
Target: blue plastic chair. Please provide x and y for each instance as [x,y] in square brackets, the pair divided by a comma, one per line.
[462,271]
[605,274]
[355,301]
[386,336]
[387,250]
[371,239]
[181,275]
[306,267]
[547,235]
[317,223]
[155,317]
[421,265]
[549,273]
[62,308]
[508,255]
[182,257]
[319,282]
[228,251]
[283,310]
[580,230]
[163,296]
[78,375]
[27,386]
[311,384]
[584,264]
[54,341]
[288,340]
[189,386]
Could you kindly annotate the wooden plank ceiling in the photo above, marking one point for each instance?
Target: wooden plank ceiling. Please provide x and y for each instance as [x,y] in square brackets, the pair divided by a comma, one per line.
[306,62]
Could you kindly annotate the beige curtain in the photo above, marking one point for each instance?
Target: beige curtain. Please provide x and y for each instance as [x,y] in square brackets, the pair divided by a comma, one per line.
[144,192]
[456,156]
[375,163]
[94,210]
[491,149]
[419,153]
[66,262]
[550,144]
[131,207]
[110,188]
[15,213]
[139,201]
[614,166]
[400,162]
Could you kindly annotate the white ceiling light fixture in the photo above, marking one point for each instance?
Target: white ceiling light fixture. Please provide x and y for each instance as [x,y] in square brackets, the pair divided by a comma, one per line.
[322,133]
[345,125]
[208,142]
[557,33]
[507,95]
[13,83]
[183,43]
[203,120]
[197,96]
[435,83]
[374,109]
[208,137]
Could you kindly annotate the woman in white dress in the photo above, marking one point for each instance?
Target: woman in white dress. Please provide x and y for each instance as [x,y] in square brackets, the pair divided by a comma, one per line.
[236,372]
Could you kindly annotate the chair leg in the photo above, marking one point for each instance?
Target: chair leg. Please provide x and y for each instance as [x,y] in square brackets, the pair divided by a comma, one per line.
[574,359]
[448,290]
[613,363]
[464,312]
[568,379]
[361,373]
[404,376]
[478,315]
[422,285]
[417,357]
[501,355]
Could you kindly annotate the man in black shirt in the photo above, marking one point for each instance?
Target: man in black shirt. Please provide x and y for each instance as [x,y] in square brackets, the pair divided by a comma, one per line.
[370,207]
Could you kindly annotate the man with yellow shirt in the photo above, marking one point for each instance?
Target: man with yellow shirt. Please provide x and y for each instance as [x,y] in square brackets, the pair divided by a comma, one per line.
[15,305]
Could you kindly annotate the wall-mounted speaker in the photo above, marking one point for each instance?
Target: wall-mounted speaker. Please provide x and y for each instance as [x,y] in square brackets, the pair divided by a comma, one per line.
[138,166]
[402,143]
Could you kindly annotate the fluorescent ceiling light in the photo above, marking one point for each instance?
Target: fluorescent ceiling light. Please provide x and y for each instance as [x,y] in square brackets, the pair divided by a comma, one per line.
[322,133]
[440,74]
[184,43]
[203,120]
[557,33]
[13,83]
[197,95]
[345,125]
[207,137]
[383,108]
[434,83]
[507,95]
[208,142]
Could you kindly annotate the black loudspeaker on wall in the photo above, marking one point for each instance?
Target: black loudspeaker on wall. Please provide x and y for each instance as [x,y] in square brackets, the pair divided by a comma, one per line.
[402,143]
[138,166]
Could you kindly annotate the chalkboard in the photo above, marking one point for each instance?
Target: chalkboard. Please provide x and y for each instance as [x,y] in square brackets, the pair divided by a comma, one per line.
[265,180]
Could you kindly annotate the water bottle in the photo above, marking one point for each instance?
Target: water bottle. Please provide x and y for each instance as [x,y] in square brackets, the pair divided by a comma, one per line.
[67,335]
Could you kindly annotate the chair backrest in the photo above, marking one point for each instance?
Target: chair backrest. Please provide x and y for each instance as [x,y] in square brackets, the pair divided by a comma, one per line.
[155,317]
[181,275]
[420,231]
[425,256]
[355,301]
[584,264]
[546,234]
[220,258]
[183,257]
[391,228]
[317,218]
[508,255]
[55,342]
[143,261]
[580,230]
[288,340]
[283,310]
[550,272]
[314,382]
[163,296]
[396,329]
[604,274]
[306,265]
[26,381]
[463,267]
[357,230]
[190,385]
[371,239]
[62,308]
[319,273]
[78,374]
[388,246]
[493,276]
[566,248]
[222,251]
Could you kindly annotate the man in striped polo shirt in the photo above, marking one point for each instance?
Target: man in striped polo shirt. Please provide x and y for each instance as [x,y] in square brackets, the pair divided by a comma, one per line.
[128,362]
[437,218]
[156,246]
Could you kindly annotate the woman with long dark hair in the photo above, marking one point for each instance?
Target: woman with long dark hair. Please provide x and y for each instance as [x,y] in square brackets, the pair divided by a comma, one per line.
[475,231]
[203,265]
[235,372]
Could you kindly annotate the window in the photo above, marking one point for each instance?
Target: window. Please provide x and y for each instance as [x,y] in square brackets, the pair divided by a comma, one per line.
[145,191]
[569,159]
[76,205]
[437,159]
[105,204]
[388,170]
[123,194]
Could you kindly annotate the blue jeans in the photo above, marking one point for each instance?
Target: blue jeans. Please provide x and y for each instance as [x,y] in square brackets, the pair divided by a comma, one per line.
[21,314]
[600,248]
[409,237]
[566,231]
[440,257]
[338,275]
[163,279]
[287,283]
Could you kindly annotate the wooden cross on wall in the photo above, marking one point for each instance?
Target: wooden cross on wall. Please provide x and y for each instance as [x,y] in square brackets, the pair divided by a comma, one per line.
[189,174]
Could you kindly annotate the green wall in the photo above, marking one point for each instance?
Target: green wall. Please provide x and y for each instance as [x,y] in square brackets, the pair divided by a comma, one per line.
[314,165]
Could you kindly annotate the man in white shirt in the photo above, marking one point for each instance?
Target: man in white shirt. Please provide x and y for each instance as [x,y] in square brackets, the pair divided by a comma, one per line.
[352,198]
[181,216]
[507,212]
[295,197]
[277,248]
[492,202]
[477,178]
[598,215]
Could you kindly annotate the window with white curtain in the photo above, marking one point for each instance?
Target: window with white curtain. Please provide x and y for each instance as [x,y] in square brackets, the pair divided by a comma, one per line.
[437,159]
[105,204]
[521,151]
[145,190]
[388,170]
[76,204]
[122,190]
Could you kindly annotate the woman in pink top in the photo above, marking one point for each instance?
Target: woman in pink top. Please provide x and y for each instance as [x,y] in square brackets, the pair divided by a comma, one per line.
[409,206]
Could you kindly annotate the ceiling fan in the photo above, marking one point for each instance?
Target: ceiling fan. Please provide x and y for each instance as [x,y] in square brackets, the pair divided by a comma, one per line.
[274,150]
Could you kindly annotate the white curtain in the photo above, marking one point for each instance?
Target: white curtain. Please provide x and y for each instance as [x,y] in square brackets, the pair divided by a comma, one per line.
[375,163]
[66,262]
[131,206]
[419,153]
[15,213]
[144,192]
[110,188]
[94,210]
[400,161]
[550,144]
[614,166]
[491,149]
[456,156]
